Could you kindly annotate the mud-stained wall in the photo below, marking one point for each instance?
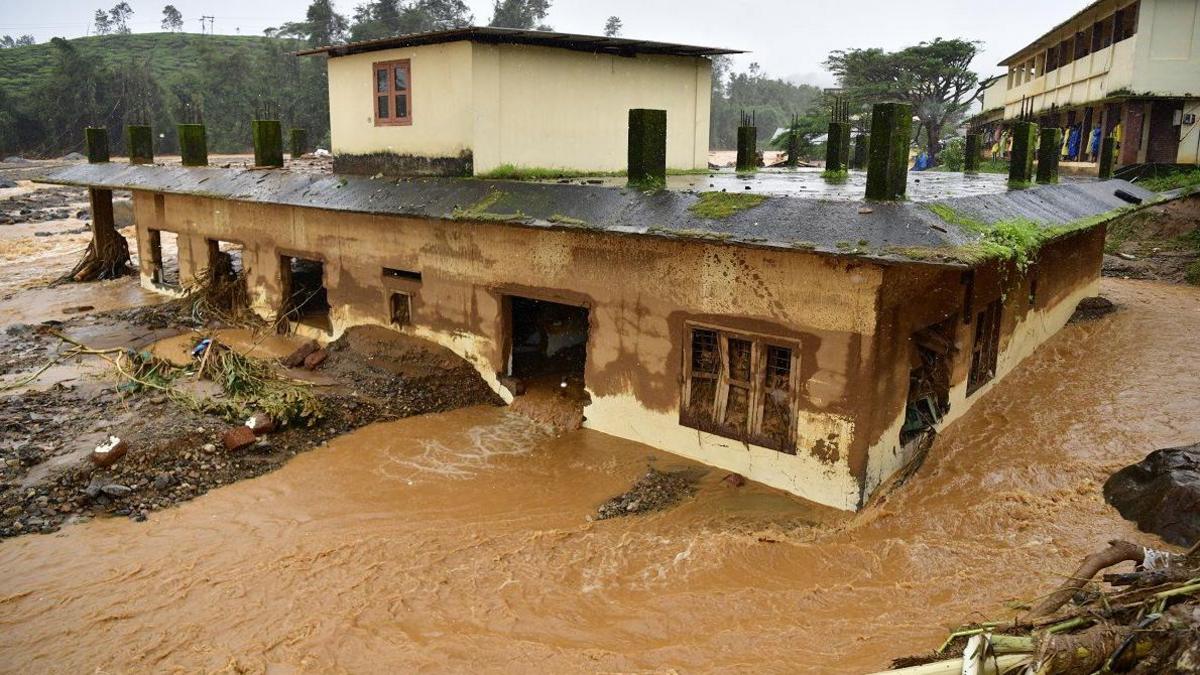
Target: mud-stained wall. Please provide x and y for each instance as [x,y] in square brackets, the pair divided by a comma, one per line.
[849,321]
[641,292]
[1036,302]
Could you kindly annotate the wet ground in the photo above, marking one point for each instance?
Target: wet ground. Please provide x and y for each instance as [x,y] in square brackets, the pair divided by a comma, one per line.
[803,182]
[463,541]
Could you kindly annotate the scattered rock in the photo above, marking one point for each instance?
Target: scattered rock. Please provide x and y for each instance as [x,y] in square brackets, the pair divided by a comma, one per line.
[238,438]
[654,491]
[736,480]
[116,490]
[1161,494]
[108,452]
[296,358]
[260,423]
[315,359]
[6,183]
[1090,309]
[513,384]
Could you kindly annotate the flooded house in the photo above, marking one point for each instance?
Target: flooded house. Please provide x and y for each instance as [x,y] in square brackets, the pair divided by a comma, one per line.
[1130,70]
[773,325]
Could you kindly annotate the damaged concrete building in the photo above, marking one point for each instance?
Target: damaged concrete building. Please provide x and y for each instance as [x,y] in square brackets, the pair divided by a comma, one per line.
[805,343]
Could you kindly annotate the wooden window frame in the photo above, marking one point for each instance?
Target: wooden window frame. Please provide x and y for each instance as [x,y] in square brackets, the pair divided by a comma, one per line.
[392,120]
[395,297]
[757,387]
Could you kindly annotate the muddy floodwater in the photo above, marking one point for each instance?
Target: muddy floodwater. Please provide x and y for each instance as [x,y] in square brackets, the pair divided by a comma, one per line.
[461,541]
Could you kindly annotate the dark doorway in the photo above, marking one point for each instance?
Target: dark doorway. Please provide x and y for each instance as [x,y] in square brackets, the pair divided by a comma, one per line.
[549,341]
[305,298]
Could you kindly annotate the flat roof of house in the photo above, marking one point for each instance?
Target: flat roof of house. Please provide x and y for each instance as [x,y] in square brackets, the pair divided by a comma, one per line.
[888,232]
[1039,41]
[597,44]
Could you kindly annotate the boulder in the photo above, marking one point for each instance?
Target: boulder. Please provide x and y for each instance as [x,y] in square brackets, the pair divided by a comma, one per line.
[296,358]
[315,359]
[1161,494]
[238,438]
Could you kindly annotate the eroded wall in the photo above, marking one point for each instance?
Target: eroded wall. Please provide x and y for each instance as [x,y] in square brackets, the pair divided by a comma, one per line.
[1036,303]
[640,292]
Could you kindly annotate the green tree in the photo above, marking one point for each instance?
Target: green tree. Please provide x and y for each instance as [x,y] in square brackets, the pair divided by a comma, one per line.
[118,18]
[172,19]
[612,27]
[935,77]
[805,128]
[102,24]
[523,14]
[386,18]
[772,101]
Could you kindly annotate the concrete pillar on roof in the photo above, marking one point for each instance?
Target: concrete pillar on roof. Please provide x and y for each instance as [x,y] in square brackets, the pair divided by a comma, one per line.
[96,143]
[268,142]
[193,144]
[647,152]
[139,141]
[887,161]
[1048,151]
[1020,165]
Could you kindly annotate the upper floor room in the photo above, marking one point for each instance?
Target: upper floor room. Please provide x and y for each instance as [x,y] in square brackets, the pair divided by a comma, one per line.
[476,100]
[1109,48]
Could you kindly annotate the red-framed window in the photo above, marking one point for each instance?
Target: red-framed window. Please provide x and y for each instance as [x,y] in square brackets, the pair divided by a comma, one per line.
[392,92]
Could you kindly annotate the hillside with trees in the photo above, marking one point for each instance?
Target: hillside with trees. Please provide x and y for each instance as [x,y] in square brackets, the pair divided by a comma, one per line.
[49,92]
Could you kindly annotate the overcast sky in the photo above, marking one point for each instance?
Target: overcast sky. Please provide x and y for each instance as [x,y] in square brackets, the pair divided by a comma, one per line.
[788,38]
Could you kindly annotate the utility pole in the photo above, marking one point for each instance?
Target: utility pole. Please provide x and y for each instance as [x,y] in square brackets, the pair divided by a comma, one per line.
[209,19]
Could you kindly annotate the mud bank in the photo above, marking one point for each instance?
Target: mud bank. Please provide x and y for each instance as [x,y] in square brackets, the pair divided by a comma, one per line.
[52,418]
[461,541]
[1160,242]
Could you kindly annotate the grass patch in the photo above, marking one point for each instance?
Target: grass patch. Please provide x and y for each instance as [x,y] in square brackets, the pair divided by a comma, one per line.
[480,210]
[721,205]
[1192,275]
[559,219]
[1016,239]
[835,176]
[1173,181]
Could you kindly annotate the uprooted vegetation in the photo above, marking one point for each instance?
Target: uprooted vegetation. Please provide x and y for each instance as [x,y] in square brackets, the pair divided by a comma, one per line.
[175,415]
[1145,621]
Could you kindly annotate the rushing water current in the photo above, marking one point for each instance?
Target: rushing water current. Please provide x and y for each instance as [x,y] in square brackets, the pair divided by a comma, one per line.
[461,541]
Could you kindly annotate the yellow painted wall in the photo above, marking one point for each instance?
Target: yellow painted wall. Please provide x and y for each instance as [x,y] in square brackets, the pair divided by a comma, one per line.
[523,105]
[441,103]
[544,107]
[1163,58]
[1169,62]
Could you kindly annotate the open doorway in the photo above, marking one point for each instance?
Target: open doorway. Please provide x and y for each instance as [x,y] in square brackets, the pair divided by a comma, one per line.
[305,298]
[547,357]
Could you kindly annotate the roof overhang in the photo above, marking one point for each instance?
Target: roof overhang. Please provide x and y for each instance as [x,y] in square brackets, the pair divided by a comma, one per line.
[596,44]
[1041,42]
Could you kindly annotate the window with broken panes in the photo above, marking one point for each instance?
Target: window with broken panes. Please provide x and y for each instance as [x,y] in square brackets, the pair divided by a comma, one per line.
[392,92]
[740,386]
[985,351]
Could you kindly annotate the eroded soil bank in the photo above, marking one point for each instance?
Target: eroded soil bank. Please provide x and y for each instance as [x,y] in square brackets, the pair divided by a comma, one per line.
[461,541]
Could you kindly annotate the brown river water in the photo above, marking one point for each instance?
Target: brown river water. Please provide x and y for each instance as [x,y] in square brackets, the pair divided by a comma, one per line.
[460,542]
